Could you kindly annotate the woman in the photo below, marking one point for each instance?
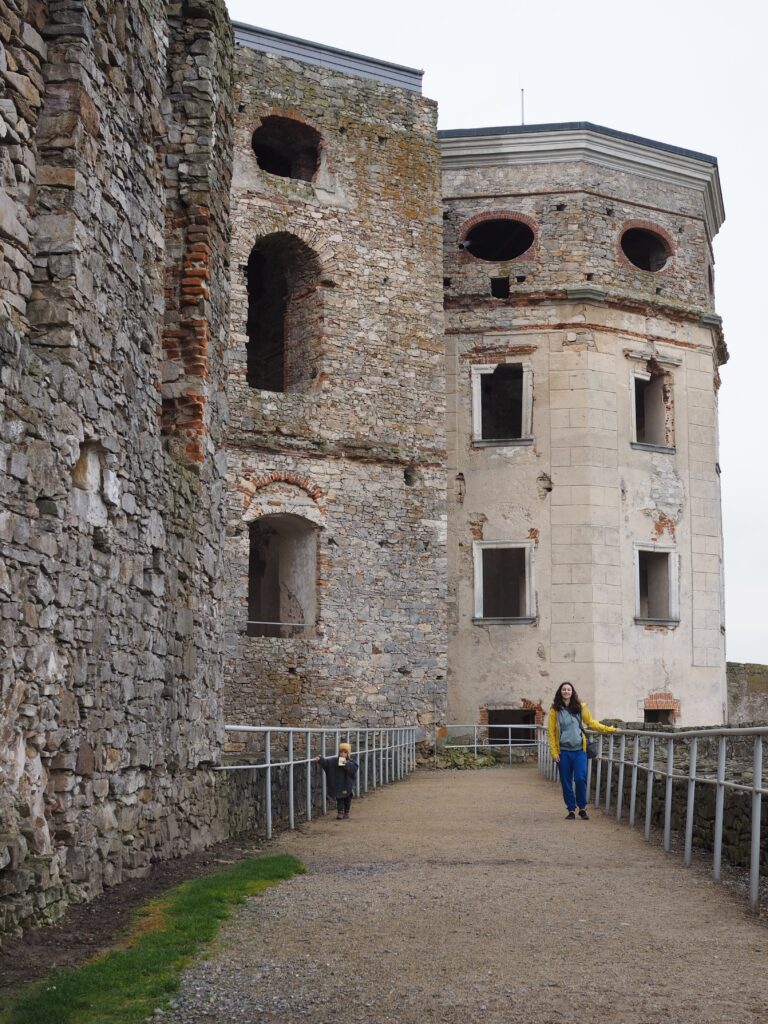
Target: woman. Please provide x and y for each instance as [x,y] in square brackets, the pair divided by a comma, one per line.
[568,746]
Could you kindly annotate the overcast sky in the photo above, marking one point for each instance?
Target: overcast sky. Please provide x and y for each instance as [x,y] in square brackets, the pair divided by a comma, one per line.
[688,72]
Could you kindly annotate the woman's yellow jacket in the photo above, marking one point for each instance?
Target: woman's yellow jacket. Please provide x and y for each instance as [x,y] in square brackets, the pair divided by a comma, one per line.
[553,728]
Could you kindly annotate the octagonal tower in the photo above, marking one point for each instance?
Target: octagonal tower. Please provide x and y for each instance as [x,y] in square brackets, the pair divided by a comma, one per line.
[582,378]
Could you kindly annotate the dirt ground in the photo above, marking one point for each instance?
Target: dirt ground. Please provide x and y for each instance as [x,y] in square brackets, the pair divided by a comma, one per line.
[464,896]
[455,897]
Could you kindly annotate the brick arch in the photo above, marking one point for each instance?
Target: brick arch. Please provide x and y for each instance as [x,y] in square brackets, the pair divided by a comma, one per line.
[258,501]
[655,229]
[329,256]
[485,215]
[662,701]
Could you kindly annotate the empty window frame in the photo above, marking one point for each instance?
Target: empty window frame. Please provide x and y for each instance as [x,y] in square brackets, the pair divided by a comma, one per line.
[287,148]
[658,716]
[652,407]
[516,736]
[502,404]
[656,585]
[285,314]
[504,590]
[282,577]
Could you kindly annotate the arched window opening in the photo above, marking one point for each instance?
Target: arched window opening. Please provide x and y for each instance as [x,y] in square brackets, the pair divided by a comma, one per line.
[282,577]
[645,249]
[284,314]
[287,148]
[498,240]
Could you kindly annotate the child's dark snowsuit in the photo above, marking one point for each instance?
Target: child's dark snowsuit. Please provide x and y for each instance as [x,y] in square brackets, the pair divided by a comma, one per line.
[341,781]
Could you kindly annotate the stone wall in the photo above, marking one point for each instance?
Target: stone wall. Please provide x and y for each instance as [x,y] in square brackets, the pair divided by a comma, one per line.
[352,446]
[114,156]
[747,694]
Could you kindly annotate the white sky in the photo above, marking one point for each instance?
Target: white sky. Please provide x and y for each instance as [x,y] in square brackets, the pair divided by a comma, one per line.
[687,72]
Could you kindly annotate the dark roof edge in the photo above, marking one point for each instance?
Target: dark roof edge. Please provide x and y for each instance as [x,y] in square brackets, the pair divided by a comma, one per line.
[570,126]
[344,60]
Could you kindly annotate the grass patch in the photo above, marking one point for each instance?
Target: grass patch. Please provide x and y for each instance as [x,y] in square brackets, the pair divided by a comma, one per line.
[127,984]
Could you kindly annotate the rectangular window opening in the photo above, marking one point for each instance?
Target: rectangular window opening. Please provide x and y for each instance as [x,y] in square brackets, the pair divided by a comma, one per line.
[655,585]
[500,287]
[499,736]
[658,716]
[505,587]
[652,410]
[501,397]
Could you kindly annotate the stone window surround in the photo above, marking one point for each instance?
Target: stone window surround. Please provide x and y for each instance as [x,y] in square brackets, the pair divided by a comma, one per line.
[673,578]
[477,548]
[478,370]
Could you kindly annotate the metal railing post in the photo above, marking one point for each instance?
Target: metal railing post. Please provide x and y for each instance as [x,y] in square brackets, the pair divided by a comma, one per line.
[373,761]
[633,782]
[620,785]
[291,809]
[668,792]
[268,795]
[357,755]
[649,787]
[689,809]
[754,860]
[324,780]
[599,772]
[309,775]
[609,775]
[719,801]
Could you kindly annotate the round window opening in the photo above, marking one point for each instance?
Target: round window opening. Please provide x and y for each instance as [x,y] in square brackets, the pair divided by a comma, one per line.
[497,241]
[645,249]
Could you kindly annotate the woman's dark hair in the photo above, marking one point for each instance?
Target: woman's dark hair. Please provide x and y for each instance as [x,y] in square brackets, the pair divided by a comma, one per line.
[575,703]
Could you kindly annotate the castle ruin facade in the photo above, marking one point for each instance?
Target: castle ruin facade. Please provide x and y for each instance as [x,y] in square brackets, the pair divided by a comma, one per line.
[253,472]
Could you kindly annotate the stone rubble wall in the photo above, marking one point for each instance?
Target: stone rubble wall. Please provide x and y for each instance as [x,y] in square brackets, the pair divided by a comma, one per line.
[114,161]
[357,448]
[747,694]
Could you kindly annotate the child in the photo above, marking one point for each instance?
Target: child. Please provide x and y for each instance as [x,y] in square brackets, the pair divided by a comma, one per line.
[340,773]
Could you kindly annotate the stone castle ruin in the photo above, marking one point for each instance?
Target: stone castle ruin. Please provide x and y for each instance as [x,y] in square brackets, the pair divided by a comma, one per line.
[294,430]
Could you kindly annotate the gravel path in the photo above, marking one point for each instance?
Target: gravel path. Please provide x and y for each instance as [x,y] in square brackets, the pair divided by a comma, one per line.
[465,896]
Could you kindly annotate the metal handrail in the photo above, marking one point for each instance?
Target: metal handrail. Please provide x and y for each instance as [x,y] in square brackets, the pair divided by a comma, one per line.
[621,761]
[479,744]
[388,754]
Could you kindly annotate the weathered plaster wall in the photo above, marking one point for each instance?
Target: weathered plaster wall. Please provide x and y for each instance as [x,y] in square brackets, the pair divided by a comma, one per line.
[356,445]
[110,712]
[580,492]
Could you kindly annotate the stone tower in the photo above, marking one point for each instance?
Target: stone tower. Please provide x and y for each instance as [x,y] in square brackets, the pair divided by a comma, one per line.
[336,481]
[585,537]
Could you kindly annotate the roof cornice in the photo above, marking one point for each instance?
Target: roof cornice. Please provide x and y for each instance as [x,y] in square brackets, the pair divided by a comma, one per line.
[342,61]
[545,144]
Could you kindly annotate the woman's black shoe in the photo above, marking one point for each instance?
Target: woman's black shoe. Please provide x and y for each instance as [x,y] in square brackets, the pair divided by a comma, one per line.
[583,815]
[570,816]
